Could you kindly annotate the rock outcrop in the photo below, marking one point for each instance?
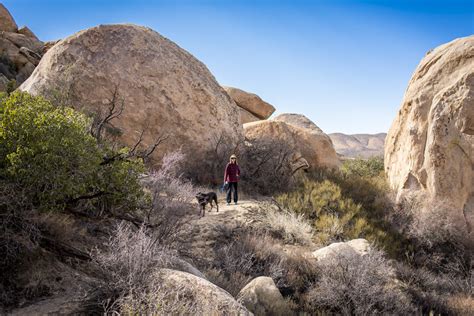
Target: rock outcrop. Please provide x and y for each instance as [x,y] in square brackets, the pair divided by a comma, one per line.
[7,23]
[359,247]
[20,51]
[430,145]
[262,297]
[255,108]
[205,297]
[164,89]
[359,145]
[309,141]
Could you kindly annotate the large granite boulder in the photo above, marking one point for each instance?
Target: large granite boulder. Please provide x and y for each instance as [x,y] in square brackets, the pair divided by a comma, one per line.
[164,89]
[262,297]
[309,141]
[430,145]
[250,102]
[204,297]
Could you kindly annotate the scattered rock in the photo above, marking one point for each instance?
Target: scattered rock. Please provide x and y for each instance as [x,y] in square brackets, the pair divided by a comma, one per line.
[7,23]
[251,102]
[359,247]
[207,297]
[262,297]
[310,143]
[166,91]
[430,145]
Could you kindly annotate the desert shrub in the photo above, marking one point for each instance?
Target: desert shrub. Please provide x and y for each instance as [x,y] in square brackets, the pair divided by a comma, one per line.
[126,268]
[432,221]
[349,203]
[432,292]
[170,197]
[350,284]
[266,164]
[291,227]
[334,216]
[48,153]
[366,168]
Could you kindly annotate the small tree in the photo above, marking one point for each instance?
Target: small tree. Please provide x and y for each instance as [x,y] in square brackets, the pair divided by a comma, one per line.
[48,153]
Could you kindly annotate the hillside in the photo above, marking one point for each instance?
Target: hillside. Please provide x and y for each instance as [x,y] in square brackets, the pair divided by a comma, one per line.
[359,145]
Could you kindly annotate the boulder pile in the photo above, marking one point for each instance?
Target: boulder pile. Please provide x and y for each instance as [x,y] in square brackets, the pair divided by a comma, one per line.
[20,51]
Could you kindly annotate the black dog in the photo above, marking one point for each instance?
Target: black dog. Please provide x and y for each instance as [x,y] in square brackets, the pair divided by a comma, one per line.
[204,199]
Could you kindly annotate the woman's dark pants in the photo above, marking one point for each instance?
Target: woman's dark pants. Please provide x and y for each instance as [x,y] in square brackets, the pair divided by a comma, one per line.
[232,187]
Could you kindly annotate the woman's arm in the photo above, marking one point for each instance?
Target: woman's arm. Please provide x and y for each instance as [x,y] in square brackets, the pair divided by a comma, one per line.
[226,173]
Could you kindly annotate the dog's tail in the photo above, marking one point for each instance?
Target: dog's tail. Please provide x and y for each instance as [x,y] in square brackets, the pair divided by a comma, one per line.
[215,200]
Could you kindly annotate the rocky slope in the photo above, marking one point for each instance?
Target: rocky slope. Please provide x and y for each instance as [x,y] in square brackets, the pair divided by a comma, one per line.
[164,89]
[359,145]
[430,145]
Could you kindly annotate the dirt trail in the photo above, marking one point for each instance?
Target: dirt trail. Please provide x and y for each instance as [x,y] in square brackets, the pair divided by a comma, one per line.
[206,230]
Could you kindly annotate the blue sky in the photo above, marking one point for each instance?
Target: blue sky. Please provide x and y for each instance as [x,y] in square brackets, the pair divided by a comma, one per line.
[344,64]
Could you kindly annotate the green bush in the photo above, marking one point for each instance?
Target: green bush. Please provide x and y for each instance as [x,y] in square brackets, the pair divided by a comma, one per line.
[350,203]
[371,167]
[49,155]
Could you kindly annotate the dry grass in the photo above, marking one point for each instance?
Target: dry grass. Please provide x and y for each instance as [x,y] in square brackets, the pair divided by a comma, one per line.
[289,226]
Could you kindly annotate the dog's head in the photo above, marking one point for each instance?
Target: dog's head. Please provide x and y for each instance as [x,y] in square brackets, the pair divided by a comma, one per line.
[201,197]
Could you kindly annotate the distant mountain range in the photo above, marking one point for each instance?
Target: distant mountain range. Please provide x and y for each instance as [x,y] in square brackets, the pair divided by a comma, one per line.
[359,145]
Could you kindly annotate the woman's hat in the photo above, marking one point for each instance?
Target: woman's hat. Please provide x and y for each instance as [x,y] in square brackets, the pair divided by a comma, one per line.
[233,156]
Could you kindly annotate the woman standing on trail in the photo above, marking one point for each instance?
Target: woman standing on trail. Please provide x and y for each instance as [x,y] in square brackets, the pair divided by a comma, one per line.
[231,177]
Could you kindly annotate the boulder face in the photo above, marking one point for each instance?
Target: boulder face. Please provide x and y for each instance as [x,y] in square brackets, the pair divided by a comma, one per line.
[430,145]
[165,90]
[251,103]
[309,140]
[355,247]
[300,121]
[205,297]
